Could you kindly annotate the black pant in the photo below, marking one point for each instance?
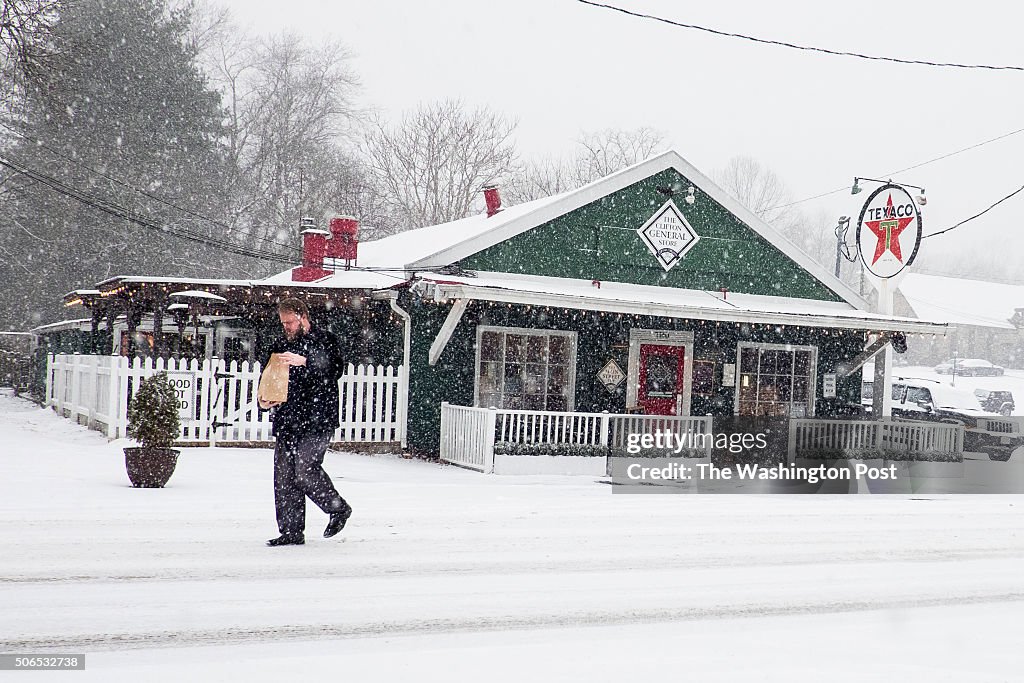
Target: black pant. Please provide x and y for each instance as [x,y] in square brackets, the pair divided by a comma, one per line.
[299,472]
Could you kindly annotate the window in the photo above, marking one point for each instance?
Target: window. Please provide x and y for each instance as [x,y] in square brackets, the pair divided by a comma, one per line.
[918,395]
[525,369]
[776,380]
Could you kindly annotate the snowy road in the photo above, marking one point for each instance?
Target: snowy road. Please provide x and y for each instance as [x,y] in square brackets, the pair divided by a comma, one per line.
[445,574]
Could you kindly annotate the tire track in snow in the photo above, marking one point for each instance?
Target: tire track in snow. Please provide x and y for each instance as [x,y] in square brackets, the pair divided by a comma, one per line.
[235,636]
[586,564]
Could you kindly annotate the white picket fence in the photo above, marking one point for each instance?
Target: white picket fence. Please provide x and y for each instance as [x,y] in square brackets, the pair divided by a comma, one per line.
[470,435]
[217,400]
[872,438]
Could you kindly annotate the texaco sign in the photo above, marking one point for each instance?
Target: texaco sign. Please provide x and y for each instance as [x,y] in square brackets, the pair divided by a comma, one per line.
[889,231]
[668,235]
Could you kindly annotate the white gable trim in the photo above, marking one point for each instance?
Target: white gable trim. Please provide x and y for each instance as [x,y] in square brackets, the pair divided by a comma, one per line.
[577,199]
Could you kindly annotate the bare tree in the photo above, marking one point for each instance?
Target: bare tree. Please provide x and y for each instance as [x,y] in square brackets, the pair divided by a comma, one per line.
[598,154]
[26,34]
[758,188]
[290,107]
[538,178]
[608,151]
[432,165]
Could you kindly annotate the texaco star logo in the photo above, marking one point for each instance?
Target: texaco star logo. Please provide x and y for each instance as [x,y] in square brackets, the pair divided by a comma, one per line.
[889,231]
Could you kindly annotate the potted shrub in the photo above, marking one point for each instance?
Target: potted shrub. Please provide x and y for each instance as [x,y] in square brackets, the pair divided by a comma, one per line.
[153,422]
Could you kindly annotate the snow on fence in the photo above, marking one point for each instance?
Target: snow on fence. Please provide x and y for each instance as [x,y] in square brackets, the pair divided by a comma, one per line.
[217,399]
[472,437]
[862,438]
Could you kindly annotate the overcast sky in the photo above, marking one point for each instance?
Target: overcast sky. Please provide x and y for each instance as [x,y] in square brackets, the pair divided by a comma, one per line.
[561,67]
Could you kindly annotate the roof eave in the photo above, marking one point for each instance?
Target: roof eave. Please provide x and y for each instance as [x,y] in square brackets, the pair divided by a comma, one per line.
[451,291]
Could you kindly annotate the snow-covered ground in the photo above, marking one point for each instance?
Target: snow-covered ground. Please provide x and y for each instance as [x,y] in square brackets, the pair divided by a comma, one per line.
[448,575]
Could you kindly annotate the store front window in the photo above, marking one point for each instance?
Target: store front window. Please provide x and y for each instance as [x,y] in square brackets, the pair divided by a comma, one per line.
[525,369]
[776,380]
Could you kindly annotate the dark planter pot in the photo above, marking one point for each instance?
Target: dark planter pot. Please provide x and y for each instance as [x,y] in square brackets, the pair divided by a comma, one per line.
[150,468]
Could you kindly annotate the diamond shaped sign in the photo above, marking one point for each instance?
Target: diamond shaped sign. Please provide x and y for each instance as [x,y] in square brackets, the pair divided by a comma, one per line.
[668,235]
[611,375]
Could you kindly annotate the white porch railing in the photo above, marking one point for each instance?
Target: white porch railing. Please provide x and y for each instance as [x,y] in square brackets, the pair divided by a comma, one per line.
[863,438]
[471,436]
[217,400]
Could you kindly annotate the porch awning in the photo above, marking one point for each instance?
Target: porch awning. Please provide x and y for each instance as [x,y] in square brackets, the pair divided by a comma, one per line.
[667,302]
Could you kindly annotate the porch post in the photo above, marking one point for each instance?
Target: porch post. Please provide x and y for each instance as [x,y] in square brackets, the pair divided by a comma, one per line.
[133,318]
[94,332]
[403,376]
[159,302]
[111,315]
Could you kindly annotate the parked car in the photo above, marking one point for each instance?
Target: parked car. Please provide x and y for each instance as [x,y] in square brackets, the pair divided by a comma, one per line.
[996,401]
[930,400]
[969,367]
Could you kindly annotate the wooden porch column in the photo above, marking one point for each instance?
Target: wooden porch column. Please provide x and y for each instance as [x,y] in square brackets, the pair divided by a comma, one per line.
[94,333]
[133,317]
[159,303]
[111,316]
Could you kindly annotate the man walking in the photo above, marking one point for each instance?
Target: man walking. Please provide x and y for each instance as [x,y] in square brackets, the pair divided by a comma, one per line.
[303,425]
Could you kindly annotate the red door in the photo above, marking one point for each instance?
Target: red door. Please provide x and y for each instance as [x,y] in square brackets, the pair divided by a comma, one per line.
[660,387]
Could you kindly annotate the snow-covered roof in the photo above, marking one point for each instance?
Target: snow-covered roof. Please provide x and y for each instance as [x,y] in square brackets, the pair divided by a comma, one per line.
[671,302]
[433,247]
[961,301]
[341,279]
[77,324]
[441,245]
[416,249]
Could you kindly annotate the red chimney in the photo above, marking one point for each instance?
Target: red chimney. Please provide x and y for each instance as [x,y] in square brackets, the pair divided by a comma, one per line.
[344,244]
[493,199]
[314,248]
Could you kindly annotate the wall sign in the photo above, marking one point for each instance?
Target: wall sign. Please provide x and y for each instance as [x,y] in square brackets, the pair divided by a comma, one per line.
[668,235]
[185,385]
[889,231]
[611,375]
[828,388]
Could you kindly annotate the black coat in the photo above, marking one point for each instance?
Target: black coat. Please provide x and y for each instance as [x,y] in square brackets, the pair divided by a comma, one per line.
[312,405]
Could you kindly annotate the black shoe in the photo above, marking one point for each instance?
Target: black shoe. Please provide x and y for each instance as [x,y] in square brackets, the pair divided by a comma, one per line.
[287,539]
[337,522]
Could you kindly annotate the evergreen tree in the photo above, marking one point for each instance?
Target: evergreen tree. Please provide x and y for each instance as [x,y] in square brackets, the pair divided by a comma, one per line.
[123,117]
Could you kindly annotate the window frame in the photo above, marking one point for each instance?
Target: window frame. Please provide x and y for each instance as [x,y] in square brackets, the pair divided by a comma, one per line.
[573,339]
[812,386]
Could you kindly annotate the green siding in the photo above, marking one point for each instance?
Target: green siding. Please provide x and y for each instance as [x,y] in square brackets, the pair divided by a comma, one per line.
[599,241]
[599,338]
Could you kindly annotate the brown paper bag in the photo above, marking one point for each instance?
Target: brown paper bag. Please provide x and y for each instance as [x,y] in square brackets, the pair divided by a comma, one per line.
[273,386]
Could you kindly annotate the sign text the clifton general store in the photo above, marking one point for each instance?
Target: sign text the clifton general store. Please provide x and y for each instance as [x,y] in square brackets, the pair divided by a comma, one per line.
[668,235]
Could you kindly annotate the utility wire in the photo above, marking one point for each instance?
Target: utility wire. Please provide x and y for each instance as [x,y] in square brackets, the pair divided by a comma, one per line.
[801,47]
[133,217]
[118,211]
[903,170]
[981,213]
[124,183]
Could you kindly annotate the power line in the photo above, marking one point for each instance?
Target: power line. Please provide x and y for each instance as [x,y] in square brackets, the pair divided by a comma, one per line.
[124,183]
[908,168]
[118,211]
[794,46]
[981,213]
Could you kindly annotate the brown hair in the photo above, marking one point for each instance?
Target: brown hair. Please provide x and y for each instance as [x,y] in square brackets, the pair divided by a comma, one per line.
[293,305]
